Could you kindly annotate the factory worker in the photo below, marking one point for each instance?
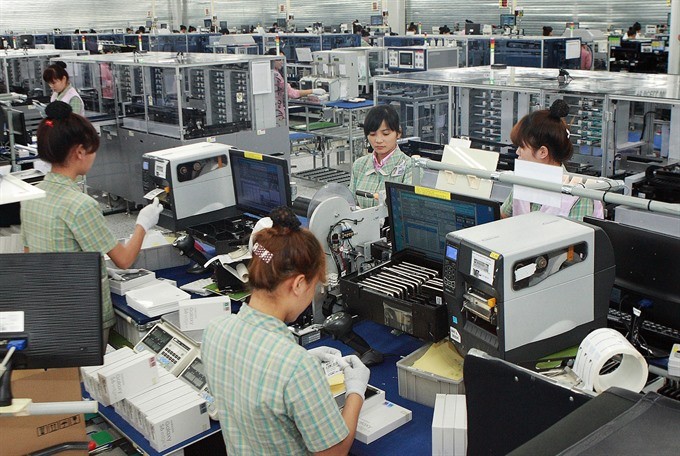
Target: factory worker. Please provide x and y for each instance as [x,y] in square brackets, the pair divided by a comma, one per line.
[282,87]
[67,219]
[272,395]
[57,78]
[385,162]
[543,137]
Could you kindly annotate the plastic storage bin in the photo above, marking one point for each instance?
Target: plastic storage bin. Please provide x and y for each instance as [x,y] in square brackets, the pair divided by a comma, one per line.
[420,386]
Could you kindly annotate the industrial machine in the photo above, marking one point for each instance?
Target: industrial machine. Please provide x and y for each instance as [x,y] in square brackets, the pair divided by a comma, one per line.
[169,101]
[421,58]
[194,183]
[618,122]
[345,233]
[335,72]
[527,286]
[406,293]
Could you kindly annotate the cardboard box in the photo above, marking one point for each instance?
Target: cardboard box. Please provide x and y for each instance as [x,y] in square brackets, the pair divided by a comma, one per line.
[21,435]
[380,419]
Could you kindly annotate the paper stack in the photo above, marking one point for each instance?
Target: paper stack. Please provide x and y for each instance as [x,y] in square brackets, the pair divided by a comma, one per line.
[158,298]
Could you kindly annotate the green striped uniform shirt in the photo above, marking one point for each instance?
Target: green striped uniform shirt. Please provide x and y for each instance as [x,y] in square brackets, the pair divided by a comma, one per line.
[68,220]
[273,397]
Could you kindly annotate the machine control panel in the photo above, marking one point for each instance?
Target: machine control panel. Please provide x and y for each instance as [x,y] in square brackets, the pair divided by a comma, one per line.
[174,351]
[194,376]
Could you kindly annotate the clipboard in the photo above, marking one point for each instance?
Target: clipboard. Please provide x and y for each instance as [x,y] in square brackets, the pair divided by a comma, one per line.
[459,153]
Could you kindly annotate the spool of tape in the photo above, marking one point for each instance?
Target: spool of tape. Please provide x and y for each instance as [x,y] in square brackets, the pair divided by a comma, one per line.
[599,347]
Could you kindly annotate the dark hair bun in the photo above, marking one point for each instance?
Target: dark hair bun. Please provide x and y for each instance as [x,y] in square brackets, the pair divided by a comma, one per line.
[559,109]
[285,217]
[58,110]
[59,63]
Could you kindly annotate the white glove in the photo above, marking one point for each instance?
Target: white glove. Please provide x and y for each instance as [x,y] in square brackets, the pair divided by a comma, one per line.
[356,376]
[318,91]
[325,354]
[148,216]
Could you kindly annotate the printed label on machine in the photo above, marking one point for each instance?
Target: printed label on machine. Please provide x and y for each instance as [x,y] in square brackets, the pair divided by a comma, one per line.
[159,168]
[482,267]
[454,335]
[11,322]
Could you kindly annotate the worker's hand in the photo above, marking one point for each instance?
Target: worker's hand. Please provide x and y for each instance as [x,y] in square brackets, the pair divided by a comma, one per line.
[318,91]
[356,376]
[325,354]
[148,216]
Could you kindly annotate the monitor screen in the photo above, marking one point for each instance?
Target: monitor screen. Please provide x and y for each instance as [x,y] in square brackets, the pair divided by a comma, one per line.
[223,25]
[422,217]
[473,29]
[644,262]
[54,302]
[207,23]
[376,20]
[508,20]
[149,24]
[21,134]
[281,22]
[261,182]
[26,41]
[406,58]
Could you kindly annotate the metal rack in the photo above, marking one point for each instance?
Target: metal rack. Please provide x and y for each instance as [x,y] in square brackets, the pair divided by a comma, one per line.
[618,123]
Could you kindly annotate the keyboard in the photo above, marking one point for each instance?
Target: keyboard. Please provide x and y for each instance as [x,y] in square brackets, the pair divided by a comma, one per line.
[650,330]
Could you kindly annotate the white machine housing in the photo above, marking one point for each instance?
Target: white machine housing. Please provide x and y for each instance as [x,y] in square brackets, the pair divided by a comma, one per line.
[336,72]
[362,226]
[194,181]
[527,286]
[421,58]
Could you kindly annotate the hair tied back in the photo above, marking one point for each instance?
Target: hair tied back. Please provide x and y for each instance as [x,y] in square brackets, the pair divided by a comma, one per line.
[58,110]
[559,109]
[285,217]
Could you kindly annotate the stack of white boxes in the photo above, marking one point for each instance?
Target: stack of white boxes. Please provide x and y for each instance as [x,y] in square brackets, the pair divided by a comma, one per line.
[10,240]
[449,425]
[160,406]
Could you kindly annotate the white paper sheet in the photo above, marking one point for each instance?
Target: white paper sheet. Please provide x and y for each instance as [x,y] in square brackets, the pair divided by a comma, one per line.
[539,171]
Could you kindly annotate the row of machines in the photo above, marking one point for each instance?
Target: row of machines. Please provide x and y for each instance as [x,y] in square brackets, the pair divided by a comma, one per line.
[156,101]
[617,123]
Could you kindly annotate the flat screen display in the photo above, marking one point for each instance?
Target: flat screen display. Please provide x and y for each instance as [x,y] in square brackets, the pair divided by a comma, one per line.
[261,182]
[421,217]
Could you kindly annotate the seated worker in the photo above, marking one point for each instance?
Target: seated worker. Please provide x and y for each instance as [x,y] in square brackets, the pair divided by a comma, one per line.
[282,87]
[547,30]
[385,162]
[271,394]
[67,219]
[586,57]
[543,137]
[57,78]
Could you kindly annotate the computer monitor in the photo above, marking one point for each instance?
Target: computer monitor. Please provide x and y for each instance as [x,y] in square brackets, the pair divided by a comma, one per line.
[164,26]
[53,302]
[303,55]
[645,269]
[26,42]
[473,29]
[148,24]
[421,217]
[21,134]
[281,22]
[508,20]
[224,25]
[245,29]
[207,23]
[377,20]
[261,182]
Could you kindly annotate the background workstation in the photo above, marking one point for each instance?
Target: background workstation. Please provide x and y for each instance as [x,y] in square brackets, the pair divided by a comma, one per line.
[81,14]
[431,120]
